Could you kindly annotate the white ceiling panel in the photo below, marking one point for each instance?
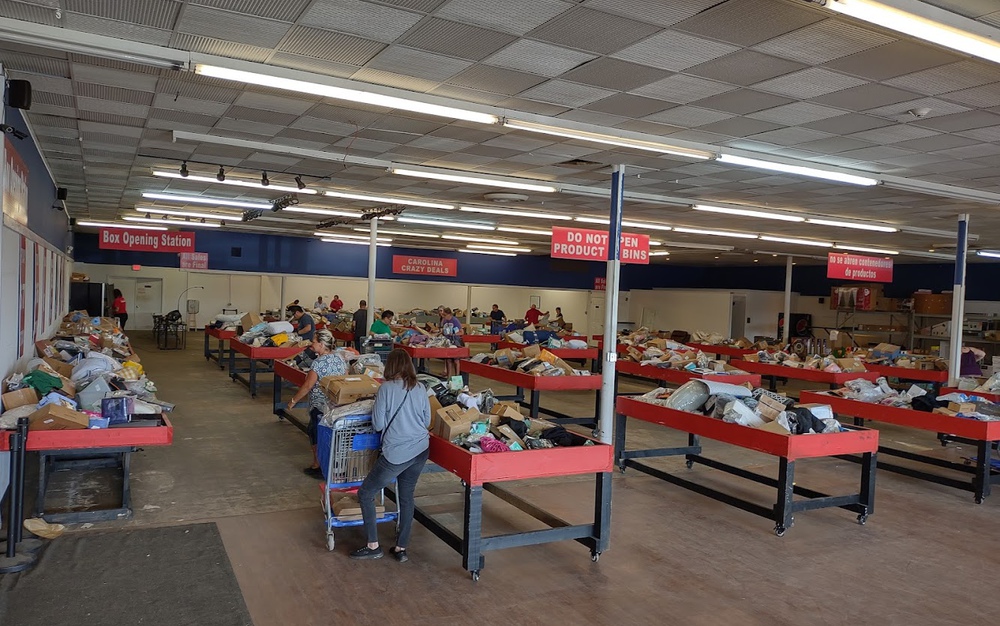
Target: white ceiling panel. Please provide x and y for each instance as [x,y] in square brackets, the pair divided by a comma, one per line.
[156,13]
[112,107]
[688,116]
[653,11]
[566,93]
[457,40]
[538,58]
[797,113]
[675,51]
[514,16]
[220,47]
[112,28]
[231,26]
[750,22]
[295,106]
[823,42]
[809,83]
[417,63]
[594,31]
[286,10]
[365,19]
[683,89]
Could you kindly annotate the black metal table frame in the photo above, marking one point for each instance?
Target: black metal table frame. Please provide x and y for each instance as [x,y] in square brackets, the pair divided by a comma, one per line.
[535,408]
[782,513]
[250,383]
[473,546]
[281,408]
[215,355]
[983,474]
[85,459]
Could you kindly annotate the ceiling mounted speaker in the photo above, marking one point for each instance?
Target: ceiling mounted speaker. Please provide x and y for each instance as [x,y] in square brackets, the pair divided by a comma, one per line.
[501,197]
[62,193]
[19,94]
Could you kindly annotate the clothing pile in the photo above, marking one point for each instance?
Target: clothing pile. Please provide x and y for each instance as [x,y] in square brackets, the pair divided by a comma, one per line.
[270,335]
[743,405]
[830,364]
[951,404]
[531,360]
[226,322]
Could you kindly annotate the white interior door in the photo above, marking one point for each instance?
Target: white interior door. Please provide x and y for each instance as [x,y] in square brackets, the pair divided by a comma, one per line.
[738,321]
[595,313]
[148,302]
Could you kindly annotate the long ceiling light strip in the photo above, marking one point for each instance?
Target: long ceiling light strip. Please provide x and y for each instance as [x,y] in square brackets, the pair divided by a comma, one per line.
[91,224]
[840,246]
[234,182]
[732,159]
[188,199]
[207,216]
[178,223]
[582,135]
[713,233]
[388,200]
[514,213]
[500,242]
[797,242]
[696,246]
[855,225]
[920,27]
[443,224]
[458,176]
[354,243]
[525,231]
[479,246]
[401,233]
[328,234]
[992,254]
[626,223]
[330,212]
[487,252]
[342,93]
[748,213]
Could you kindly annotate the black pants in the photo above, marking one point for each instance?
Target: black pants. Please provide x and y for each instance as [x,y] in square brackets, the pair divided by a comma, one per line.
[122,318]
[312,430]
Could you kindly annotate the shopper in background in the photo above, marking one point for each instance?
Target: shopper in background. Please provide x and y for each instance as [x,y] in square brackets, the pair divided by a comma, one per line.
[326,363]
[319,305]
[383,325]
[969,365]
[559,321]
[497,319]
[119,308]
[534,314]
[360,322]
[403,415]
[452,329]
[336,304]
[305,324]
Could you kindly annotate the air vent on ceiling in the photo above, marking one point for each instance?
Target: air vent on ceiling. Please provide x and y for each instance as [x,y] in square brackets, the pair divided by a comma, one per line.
[504,197]
[580,163]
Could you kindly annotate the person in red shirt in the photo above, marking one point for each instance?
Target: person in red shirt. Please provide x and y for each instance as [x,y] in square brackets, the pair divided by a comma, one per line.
[120,309]
[533,315]
[336,304]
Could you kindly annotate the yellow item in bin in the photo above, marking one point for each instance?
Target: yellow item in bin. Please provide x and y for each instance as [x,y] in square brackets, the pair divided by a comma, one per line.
[548,357]
[131,370]
[280,339]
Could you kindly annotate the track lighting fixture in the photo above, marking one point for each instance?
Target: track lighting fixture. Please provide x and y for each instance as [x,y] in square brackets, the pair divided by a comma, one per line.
[221,176]
[263,179]
[184,169]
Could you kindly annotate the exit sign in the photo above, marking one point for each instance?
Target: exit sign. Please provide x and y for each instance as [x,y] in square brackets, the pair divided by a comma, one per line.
[136,268]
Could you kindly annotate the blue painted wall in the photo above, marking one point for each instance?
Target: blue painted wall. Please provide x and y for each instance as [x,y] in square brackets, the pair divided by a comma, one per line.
[42,218]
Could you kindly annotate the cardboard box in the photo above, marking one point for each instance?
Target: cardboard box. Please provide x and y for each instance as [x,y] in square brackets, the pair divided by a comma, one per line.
[347,508]
[507,409]
[564,366]
[962,407]
[851,366]
[435,407]
[505,357]
[455,420]
[21,397]
[532,351]
[56,417]
[508,433]
[45,349]
[62,368]
[250,320]
[348,389]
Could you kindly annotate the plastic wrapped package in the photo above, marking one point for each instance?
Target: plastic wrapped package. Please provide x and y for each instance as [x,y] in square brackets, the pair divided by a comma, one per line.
[364,407]
[8,419]
[690,396]
[738,413]
[515,337]
[576,344]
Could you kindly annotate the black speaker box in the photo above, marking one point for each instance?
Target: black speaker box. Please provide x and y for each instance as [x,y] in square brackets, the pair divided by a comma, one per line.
[61,193]
[19,94]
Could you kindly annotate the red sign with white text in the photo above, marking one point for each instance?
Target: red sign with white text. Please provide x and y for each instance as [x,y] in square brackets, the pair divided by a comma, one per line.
[194,260]
[592,245]
[141,240]
[600,283]
[856,267]
[424,265]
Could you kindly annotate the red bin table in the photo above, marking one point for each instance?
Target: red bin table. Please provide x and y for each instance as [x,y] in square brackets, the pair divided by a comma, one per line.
[983,435]
[788,449]
[909,374]
[481,472]
[992,397]
[217,354]
[346,338]
[420,355]
[537,384]
[492,340]
[285,373]
[774,372]
[265,355]
[673,376]
[566,354]
[730,351]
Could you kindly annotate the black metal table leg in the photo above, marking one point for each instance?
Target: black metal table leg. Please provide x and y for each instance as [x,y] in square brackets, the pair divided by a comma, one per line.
[11,561]
[253,378]
[208,351]
[43,480]
[867,496]
[232,362]
[535,402]
[472,556]
[786,486]
[276,395]
[982,479]
[620,421]
[602,515]
[773,383]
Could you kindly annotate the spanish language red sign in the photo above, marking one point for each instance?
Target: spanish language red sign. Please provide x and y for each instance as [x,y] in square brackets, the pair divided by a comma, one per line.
[600,283]
[424,265]
[194,260]
[856,267]
[592,245]
[141,240]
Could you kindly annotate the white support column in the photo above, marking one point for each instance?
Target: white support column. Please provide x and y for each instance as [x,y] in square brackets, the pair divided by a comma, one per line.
[372,258]
[468,306]
[958,302]
[606,418]
[787,334]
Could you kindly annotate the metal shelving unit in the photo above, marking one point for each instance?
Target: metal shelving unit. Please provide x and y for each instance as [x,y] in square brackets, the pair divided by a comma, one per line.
[848,321]
[988,345]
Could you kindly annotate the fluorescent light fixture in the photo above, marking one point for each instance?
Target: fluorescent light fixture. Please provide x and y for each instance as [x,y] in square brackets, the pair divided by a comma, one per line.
[841,246]
[402,233]
[993,254]
[646,225]
[499,242]
[660,253]
[525,231]
[487,252]
[234,182]
[117,225]
[855,225]
[693,246]
[797,242]
[178,223]
[716,233]
[638,144]
[461,177]
[239,204]
[942,190]
[312,211]
[342,93]
[797,169]
[513,213]
[386,199]
[479,246]
[748,213]
[354,243]
[444,224]
[207,216]
[594,220]
[919,27]
[328,234]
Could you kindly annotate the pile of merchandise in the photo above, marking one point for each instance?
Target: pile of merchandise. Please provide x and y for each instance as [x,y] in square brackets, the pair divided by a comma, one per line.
[370,365]
[894,356]
[554,338]
[952,404]
[743,405]
[226,322]
[271,335]
[990,385]
[830,364]
[716,339]
[531,360]
[87,376]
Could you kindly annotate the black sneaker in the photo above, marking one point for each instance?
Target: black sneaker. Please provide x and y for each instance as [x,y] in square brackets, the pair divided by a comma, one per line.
[367,553]
[400,555]
[313,472]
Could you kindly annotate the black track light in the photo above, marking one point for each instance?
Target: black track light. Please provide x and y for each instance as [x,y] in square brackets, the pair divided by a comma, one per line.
[263,179]
[184,169]
[221,176]
[299,183]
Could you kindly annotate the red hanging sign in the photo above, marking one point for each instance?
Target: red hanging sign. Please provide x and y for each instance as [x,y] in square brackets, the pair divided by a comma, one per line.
[857,267]
[592,245]
[141,240]
[424,266]
[600,283]
[194,260]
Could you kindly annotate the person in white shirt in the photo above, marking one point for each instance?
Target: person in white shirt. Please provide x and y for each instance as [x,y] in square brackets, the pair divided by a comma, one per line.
[319,305]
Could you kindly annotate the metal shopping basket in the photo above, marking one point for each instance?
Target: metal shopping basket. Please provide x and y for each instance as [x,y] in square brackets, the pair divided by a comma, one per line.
[349,448]
[381,347]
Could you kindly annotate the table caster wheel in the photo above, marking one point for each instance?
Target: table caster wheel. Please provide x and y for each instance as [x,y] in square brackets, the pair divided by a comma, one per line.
[595,556]
[465,484]
[979,499]
[596,433]
[689,464]
[330,543]
[621,468]
[475,576]
[780,530]
[862,518]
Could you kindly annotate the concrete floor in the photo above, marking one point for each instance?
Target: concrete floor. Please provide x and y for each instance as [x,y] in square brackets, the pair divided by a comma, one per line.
[925,557]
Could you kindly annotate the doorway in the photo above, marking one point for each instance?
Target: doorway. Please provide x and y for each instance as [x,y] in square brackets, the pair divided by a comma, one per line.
[738,319]
[595,314]
[143,299]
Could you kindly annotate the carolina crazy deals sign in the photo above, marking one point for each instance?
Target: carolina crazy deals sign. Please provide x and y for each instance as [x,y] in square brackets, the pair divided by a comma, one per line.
[857,267]
[140,240]
[424,266]
[592,245]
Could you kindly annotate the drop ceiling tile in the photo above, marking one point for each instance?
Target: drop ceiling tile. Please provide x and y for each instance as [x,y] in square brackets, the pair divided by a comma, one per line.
[974,151]
[749,22]
[988,133]
[937,108]
[111,107]
[866,97]
[915,160]
[442,144]
[960,121]
[833,145]
[365,19]
[117,94]
[457,40]
[824,41]
[614,74]
[936,143]
[219,47]
[294,106]
[29,12]
[529,13]
[417,63]
[739,127]
[592,117]
[683,89]
[847,124]
[538,58]
[522,143]
[496,79]
[309,64]
[52,99]
[894,134]
[330,46]
[156,13]
[797,113]
[984,96]
[652,128]
[809,83]
[260,115]
[594,31]
[114,78]
[473,135]
[391,79]
[467,95]
[947,78]
[109,128]
[257,128]
[675,51]
[743,101]
[112,28]
[876,153]
[688,116]
[565,93]
[48,109]
[744,67]
[893,60]
[790,136]
[248,29]
[628,105]
[285,11]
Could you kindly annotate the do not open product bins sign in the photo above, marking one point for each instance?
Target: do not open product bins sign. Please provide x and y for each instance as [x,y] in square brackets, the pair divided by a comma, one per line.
[592,245]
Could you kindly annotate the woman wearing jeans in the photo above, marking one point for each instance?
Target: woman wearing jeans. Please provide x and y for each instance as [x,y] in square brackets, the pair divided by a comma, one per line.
[326,364]
[402,414]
